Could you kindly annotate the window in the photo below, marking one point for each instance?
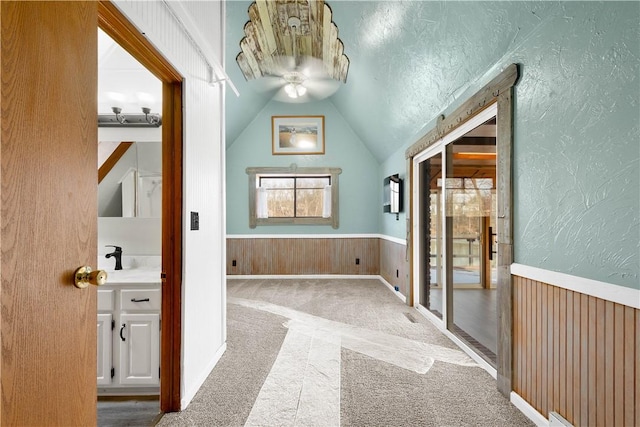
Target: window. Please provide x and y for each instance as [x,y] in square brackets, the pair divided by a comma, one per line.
[301,196]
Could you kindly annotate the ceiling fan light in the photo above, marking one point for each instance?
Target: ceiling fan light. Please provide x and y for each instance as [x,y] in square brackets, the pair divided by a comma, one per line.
[291,91]
[301,90]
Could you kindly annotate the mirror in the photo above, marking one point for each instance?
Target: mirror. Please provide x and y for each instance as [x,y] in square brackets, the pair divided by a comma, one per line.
[133,187]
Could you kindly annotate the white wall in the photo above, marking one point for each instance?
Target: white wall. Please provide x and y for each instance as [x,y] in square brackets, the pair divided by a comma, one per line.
[130,134]
[203,298]
[136,236]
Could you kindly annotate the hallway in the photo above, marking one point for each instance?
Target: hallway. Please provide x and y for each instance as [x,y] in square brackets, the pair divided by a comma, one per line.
[339,352]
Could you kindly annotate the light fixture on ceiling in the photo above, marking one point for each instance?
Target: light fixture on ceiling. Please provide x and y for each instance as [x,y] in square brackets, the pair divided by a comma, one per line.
[294,87]
[286,37]
[295,90]
[144,120]
[294,79]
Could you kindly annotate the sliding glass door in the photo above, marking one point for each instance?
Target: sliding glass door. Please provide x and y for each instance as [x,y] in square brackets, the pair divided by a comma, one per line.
[456,214]
[470,208]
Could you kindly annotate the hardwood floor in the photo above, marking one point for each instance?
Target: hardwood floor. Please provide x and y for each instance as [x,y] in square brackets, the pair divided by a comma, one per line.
[475,317]
[128,412]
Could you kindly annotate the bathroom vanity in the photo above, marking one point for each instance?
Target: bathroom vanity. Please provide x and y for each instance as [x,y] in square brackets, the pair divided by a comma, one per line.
[129,332]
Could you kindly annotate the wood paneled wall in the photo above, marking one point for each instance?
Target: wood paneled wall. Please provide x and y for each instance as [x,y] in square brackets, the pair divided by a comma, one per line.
[282,256]
[576,354]
[393,266]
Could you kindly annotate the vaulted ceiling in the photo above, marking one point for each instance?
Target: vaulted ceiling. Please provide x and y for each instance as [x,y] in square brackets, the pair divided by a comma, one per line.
[409,60]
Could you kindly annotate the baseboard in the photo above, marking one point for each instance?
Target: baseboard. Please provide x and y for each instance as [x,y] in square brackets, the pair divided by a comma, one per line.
[536,417]
[396,293]
[303,236]
[302,276]
[321,276]
[111,393]
[187,396]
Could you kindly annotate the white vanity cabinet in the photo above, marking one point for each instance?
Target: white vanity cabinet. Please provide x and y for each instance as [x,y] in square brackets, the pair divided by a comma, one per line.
[105,348]
[129,338]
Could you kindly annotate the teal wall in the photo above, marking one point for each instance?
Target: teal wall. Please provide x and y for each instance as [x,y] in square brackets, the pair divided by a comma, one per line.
[577,151]
[577,142]
[360,186]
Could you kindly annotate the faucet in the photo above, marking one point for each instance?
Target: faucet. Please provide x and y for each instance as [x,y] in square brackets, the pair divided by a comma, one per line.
[117,252]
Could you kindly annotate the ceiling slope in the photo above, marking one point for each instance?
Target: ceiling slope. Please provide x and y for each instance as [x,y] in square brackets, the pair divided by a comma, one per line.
[409,60]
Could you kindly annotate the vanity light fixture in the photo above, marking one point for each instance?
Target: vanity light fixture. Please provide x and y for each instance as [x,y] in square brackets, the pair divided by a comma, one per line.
[152,119]
[144,120]
[119,117]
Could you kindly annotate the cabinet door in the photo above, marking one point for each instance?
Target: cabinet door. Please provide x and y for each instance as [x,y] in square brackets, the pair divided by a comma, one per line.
[140,349]
[105,348]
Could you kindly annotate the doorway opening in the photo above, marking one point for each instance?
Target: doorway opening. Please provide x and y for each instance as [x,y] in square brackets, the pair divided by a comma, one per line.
[129,237]
[117,27]
[456,188]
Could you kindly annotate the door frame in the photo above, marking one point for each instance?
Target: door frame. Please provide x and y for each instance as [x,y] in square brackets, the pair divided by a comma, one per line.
[123,32]
[498,91]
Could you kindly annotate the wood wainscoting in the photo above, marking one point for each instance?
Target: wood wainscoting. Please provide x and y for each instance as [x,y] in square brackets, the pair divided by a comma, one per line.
[576,354]
[393,264]
[303,256]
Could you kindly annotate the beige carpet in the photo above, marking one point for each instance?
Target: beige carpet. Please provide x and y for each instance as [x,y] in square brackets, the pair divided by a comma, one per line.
[282,336]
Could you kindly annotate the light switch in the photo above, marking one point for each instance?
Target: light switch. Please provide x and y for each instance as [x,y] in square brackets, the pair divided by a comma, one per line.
[195,221]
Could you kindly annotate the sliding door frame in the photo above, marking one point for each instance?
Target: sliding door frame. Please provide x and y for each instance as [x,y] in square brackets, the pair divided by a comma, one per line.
[498,92]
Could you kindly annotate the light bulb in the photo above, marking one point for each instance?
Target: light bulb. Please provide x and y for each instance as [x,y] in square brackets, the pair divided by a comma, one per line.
[290,89]
[301,90]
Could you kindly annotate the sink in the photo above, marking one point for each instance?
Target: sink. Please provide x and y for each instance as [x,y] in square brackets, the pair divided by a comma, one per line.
[137,275]
[135,269]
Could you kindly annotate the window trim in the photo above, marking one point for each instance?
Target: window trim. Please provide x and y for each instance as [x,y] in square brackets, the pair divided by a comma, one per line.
[254,172]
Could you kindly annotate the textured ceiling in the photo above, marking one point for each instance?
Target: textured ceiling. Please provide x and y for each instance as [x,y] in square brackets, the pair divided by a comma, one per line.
[408,61]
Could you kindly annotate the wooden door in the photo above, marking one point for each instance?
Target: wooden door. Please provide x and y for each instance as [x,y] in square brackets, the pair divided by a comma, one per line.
[48,213]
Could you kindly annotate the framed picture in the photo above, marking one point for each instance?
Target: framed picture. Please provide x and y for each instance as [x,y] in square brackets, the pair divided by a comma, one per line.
[299,135]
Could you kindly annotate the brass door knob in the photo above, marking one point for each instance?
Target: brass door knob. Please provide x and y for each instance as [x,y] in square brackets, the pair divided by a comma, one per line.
[84,277]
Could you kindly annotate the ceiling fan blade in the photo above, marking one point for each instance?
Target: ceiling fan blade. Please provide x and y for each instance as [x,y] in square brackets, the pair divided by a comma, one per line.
[313,68]
[316,90]
[266,84]
[282,65]
[309,72]
[320,89]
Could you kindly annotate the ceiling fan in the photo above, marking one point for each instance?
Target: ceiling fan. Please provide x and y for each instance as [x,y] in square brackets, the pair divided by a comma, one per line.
[296,78]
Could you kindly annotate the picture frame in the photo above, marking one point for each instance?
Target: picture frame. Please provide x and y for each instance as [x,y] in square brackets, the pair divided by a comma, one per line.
[297,135]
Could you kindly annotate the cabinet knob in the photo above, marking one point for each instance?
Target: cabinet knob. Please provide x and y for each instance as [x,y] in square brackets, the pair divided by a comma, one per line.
[84,277]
